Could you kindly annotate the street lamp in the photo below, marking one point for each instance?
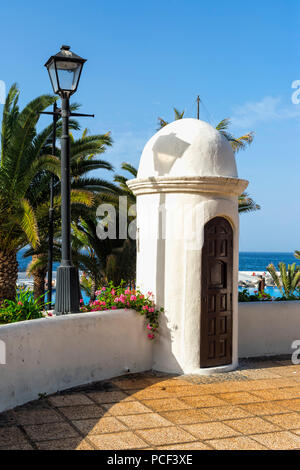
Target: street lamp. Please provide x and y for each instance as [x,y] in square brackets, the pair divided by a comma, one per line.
[64,70]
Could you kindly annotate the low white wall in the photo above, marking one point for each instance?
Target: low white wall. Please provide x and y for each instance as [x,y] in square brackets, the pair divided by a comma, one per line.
[268,328]
[51,354]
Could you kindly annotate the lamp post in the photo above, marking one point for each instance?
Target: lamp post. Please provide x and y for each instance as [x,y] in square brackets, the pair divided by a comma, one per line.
[64,70]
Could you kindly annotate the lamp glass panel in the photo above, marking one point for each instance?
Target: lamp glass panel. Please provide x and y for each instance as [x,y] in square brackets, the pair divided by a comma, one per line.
[53,77]
[68,74]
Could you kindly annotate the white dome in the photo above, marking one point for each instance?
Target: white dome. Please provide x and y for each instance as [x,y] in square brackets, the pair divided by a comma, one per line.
[187,147]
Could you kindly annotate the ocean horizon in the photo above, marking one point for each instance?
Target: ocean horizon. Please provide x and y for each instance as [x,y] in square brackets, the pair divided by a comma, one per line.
[248,260]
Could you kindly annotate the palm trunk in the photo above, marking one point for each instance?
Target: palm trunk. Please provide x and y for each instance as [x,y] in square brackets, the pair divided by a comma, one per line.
[8,275]
[39,275]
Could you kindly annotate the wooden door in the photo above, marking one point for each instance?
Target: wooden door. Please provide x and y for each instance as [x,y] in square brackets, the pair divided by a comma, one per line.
[216,304]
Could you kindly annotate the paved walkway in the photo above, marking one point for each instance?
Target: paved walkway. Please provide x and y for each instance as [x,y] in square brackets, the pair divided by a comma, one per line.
[256,407]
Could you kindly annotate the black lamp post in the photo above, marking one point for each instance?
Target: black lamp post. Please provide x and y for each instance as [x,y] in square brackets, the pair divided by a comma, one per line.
[64,70]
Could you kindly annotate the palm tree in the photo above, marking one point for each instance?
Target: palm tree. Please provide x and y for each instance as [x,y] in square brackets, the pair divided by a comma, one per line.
[83,152]
[288,280]
[21,160]
[246,203]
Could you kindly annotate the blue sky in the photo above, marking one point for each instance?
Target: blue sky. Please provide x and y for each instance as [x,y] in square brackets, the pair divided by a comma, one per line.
[144,57]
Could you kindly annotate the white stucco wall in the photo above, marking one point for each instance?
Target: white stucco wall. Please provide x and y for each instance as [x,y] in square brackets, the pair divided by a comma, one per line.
[47,355]
[170,267]
[268,328]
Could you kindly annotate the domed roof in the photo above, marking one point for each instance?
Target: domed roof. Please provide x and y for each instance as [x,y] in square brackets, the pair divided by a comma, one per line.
[187,147]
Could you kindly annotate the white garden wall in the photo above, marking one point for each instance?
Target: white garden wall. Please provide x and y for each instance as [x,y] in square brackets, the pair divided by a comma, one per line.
[47,355]
[268,328]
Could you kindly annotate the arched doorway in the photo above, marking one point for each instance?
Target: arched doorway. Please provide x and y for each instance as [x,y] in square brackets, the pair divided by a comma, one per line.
[216,293]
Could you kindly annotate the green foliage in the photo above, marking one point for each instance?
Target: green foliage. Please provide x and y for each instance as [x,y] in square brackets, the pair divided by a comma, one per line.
[287,281]
[24,307]
[113,297]
[245,296]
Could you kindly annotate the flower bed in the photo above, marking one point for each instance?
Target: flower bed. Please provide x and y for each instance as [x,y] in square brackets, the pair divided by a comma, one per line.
[118,297]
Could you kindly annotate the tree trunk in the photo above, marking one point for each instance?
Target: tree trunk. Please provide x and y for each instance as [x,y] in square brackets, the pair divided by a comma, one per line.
[8,275]
[39,275]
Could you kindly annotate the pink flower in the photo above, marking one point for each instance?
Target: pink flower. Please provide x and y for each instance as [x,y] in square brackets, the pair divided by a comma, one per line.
[20,303]
[132,297]
[114,307]
[116,299]
[103,288]
[127,291]
[103,303]
[50,314]
[142,296]
[113,292]
[145,307]
[150,336]
[98,292]
[149,327]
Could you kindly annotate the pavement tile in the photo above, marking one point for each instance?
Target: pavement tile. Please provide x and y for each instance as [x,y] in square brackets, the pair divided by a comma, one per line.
[18,446]
[41,416]
[185,391]
[165,436]
[65,444]
[278,394]
[267,384]
[278,440]
[150,393]
[46,432]
[287,371]
[83,412]
[292,405]
[238,398]
[212,430]
[118,441]
[71,399]
[252,425]
[99,426]
[286,421]
[188,446]
[265,408]
[174,382]
[127,408]
[114,396]
[166,404]
[143,421]
[11,435]
[133,383]
[236,443]
[203,401]
[226,412]
[187,416]
[257,374]
[7,418]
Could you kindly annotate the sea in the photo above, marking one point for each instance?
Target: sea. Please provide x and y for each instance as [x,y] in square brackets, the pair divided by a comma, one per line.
[249,260]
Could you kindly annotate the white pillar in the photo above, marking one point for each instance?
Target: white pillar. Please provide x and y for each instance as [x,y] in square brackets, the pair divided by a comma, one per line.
[172,211]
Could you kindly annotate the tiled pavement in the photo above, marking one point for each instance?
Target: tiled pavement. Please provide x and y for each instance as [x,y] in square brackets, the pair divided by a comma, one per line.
[256,407]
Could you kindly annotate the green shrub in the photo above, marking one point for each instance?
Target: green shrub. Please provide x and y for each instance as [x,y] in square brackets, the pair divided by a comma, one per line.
[245,296]
[117,297]
[24,307]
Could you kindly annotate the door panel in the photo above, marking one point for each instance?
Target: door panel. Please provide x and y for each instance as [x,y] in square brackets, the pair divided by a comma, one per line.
[216,304]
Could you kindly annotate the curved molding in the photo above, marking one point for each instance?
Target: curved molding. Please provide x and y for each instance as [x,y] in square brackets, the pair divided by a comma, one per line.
[188,184]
